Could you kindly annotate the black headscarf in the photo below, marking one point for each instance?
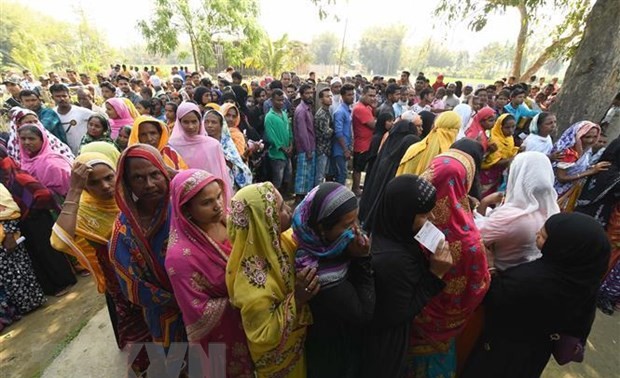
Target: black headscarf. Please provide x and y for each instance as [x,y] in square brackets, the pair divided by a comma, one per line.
[601,192]
[428,119]
[228,96]
[242,98]
[325,189]
[199,92]
[459,88]
[377,136]
[578,248]
[404,197]
[474,149]
[400,138]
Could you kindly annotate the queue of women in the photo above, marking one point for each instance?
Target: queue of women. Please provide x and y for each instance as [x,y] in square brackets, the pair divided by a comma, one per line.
[186,248]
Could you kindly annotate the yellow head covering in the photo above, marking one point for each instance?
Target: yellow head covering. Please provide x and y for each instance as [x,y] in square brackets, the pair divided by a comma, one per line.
[95,219]
[104,148]
[132,109]
[135,131]
[418,157]
[260,277]
[505,144]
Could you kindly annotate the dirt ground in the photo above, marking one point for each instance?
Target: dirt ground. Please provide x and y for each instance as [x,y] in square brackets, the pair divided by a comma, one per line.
[72,337]
[29,345]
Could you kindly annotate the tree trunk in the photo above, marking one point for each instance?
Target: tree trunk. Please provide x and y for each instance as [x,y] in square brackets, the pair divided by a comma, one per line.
[194,53]
[593,77]
[546,55]
[518,58]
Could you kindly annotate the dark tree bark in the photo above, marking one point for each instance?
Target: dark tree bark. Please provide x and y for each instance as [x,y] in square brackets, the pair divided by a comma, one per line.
[593,77]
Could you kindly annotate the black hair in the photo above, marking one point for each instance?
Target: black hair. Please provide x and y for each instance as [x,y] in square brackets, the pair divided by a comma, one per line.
[617,96]
[257,91]
[391,89]
[27,92]
[59,88]
[542,117]
[346,88]
[147,104]
[236,75]
[291,85]
[517,91]
[324,90]
[107,84]
[507,118]
[425,92]
[407,73]
[491,88]
[303,88]
[276,84]
[505,93]
[121,77]
[173,104]
[277,92]
[32,128]
[480,90]
[147,90]
[368,88]
[103,119]
[205,82]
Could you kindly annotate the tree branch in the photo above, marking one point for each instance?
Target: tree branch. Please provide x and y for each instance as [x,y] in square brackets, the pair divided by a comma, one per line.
[548,54]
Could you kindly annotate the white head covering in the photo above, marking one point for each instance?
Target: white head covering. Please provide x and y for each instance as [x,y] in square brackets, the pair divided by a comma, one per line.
[535,142]
[155,81]
[465,112]
[530,200]
[335,80]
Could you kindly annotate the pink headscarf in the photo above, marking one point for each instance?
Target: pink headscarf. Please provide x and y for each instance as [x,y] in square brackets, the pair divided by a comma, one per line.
[125,118]
[48,166]
[196,265]
[476,131]
[200,151]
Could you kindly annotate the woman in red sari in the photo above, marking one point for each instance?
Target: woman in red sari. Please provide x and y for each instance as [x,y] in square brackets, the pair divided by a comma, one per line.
[432,343]
[196,260]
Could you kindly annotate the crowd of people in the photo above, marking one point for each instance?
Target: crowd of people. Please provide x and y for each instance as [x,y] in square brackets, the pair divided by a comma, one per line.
[220,212]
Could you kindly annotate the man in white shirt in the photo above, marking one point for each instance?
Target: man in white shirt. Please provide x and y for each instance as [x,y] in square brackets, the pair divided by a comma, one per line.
[451,101]
[74,118]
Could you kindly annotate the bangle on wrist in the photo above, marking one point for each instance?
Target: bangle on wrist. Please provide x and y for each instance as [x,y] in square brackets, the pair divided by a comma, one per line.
[67,212]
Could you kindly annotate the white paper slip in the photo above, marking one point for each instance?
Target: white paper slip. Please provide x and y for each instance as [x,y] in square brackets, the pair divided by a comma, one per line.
[430,236]
[523,136]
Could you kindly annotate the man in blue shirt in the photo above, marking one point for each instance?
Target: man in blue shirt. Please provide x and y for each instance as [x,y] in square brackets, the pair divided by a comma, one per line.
[343,133]
[48,117]
[516,106]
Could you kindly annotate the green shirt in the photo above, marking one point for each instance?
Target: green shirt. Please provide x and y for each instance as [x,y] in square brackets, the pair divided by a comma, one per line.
[278,134]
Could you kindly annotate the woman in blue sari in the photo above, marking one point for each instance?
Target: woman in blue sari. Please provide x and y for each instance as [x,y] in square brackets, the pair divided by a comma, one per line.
[139,240]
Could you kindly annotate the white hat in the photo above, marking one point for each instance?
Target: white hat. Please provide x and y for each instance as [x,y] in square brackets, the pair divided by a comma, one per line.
[155,81]
[335,80]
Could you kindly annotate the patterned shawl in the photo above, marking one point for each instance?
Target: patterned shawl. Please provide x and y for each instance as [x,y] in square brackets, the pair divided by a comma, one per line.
[467,282]
[260,278]
[13,143]
[320,204]
[240,173]
[122,109]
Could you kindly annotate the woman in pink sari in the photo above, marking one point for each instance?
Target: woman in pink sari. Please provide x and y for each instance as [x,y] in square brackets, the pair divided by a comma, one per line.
[189,138]
[196,260]
[119,114]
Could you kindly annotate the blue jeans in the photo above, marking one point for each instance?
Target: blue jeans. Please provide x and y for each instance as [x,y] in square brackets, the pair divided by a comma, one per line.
[321,169]
[340,168]
[281,171]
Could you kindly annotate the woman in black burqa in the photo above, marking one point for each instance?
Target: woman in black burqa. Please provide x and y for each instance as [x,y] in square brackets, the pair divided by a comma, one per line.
[533,303]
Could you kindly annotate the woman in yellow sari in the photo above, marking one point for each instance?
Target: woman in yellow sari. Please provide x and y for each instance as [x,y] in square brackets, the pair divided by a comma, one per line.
[151,131]
[83,230]
[496,162]
[261,282]
[419,156]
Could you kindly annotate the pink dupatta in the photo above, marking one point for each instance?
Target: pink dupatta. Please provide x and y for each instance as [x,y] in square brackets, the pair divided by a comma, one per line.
[125,118]
[50,167]
[200,151]
[196,265]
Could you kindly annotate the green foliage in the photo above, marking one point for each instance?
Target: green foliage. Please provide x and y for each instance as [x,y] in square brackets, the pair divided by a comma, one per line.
[563,36]
[380,48]
[213,22]
[48,44]
[325,48]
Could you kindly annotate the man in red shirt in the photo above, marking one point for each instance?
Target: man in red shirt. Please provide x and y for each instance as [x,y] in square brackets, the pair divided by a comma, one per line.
[363,128]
